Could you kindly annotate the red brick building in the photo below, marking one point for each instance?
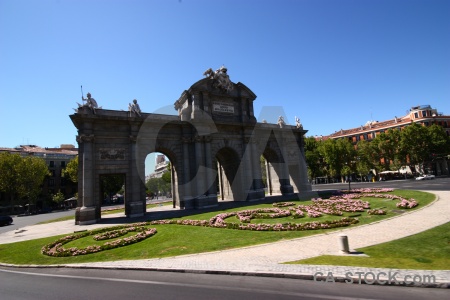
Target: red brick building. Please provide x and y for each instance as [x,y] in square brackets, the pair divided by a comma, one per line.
[422,114]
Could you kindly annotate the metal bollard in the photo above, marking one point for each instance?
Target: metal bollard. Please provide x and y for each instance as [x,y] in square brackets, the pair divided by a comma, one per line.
[343,244]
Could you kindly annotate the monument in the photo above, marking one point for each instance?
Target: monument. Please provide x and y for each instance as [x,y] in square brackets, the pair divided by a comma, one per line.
[214,146]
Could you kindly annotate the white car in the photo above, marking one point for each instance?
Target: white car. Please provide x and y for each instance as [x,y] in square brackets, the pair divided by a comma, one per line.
[425,177]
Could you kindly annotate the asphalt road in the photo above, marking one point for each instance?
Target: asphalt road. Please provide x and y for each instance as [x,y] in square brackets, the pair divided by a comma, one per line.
[78,284]
[438,184]
[19,222]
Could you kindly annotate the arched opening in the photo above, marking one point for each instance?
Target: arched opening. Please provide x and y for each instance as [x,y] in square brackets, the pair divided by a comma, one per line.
[112,192]
[160,179]
[273,171]
[228,181]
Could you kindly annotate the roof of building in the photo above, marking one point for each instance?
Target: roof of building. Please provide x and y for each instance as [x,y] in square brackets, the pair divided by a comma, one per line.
[33,149]
[371,126]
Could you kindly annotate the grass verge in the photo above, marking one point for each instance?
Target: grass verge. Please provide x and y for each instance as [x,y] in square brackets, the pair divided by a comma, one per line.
[428,250]
[106,212]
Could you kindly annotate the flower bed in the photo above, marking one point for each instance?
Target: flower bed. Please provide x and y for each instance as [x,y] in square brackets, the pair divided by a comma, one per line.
[335,205]
[56,248]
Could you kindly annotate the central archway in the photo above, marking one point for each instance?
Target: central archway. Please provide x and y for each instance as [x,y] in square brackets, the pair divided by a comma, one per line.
[227,164]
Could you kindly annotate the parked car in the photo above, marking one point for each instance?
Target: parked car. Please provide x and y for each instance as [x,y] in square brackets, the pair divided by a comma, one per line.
[425,177]
[5,220]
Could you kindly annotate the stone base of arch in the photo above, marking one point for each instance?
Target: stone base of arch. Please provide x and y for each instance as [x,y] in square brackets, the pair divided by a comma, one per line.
[85,215]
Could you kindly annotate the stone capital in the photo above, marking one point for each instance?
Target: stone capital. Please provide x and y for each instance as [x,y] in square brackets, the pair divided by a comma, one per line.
[82,138]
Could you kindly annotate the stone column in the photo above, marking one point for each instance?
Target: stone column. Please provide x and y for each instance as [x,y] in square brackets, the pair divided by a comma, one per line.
[210,176]
[201,190]
[305,185]
[86,214]
[220,171]
[244,180]
[286,187]
[269,178]
[197,110]
[187,198]
[257,192]
[135,203]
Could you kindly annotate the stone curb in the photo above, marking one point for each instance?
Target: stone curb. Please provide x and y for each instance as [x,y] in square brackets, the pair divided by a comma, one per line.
[338,279]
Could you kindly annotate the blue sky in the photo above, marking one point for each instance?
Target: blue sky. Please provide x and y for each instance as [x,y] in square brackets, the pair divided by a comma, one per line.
[333,63]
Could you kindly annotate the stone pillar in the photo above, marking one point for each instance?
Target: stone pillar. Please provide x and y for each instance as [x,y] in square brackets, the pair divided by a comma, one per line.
[210,176]
[210,199]
[135,205]
[197,109]
[187,200]
[305,185]
[243,180]
[220,175]
[257,191]
[200,186]
[285,185]
[269,178]
[86,214]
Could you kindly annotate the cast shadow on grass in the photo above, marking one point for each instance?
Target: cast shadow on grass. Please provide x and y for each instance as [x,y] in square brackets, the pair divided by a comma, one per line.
[222,205]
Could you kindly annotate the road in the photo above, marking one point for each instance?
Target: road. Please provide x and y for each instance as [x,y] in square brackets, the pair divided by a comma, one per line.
[438,184]
[78,284]
[19,222]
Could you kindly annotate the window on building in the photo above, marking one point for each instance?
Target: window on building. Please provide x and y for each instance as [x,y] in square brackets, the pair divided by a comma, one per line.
[424,113]
[365,136]
[63,164]
[53,173]
[51,182]
[427,124]
[52,164]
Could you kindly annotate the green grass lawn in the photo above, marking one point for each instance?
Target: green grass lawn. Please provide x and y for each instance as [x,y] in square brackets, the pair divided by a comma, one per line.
[174,240]
[108,212]
[428,250]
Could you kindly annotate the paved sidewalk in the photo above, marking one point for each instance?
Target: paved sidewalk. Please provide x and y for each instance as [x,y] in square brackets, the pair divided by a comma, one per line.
[267,259]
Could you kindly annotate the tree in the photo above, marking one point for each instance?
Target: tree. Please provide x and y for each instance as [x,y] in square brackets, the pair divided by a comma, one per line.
[386,147]
[152,186]
[111,184]
[9,176]
[339,155]
[262,164]
[32,172]
[365,157]
[414,139]
[58,198]
[71,170]
[312,157]
[439,141]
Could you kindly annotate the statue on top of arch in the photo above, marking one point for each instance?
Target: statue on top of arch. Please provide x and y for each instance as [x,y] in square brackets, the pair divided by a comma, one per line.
[221,78]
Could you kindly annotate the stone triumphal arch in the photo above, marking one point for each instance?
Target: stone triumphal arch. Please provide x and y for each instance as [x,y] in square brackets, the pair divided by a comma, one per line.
[214,145]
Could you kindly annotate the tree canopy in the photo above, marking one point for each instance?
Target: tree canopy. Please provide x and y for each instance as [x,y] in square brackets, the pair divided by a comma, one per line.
[22,177]
[390,150]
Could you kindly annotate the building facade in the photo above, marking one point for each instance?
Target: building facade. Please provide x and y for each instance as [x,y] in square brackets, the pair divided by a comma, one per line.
[424,115]
[56,160]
